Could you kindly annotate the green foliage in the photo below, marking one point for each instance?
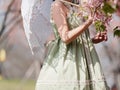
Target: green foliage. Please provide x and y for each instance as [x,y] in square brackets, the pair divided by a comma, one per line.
[107,8]
[99,26]
[117,31]
[85,17]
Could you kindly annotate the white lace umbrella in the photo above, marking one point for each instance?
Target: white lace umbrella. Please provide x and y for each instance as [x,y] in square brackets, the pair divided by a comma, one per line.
[36,19]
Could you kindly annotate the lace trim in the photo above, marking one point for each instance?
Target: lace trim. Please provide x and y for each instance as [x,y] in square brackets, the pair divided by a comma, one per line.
[87,82]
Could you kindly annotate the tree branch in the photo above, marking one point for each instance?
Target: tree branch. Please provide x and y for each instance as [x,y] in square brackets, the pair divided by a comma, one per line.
[5,18]
[15,23]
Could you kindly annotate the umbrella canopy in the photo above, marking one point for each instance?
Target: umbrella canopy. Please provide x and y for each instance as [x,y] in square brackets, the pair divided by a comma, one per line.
[36,19]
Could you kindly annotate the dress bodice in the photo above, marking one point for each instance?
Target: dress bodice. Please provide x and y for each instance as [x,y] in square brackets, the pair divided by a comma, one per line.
[73,20]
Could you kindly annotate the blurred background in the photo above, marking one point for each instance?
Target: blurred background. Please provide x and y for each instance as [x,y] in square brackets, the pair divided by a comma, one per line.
[19,69]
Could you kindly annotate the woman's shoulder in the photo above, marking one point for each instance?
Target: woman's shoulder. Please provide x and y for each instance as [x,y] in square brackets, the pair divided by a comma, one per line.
[57,4]
[58,7]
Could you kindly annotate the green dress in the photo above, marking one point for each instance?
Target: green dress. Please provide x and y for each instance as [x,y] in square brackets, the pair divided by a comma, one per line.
[74,66]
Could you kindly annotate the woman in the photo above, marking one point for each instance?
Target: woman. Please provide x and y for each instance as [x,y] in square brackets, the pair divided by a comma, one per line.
[71,62]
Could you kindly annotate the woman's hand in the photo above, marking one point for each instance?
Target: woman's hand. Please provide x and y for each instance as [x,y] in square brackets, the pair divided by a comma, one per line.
[89,20]
[99,37]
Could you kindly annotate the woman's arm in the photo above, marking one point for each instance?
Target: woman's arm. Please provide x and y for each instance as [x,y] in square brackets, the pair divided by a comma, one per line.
[59,16]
